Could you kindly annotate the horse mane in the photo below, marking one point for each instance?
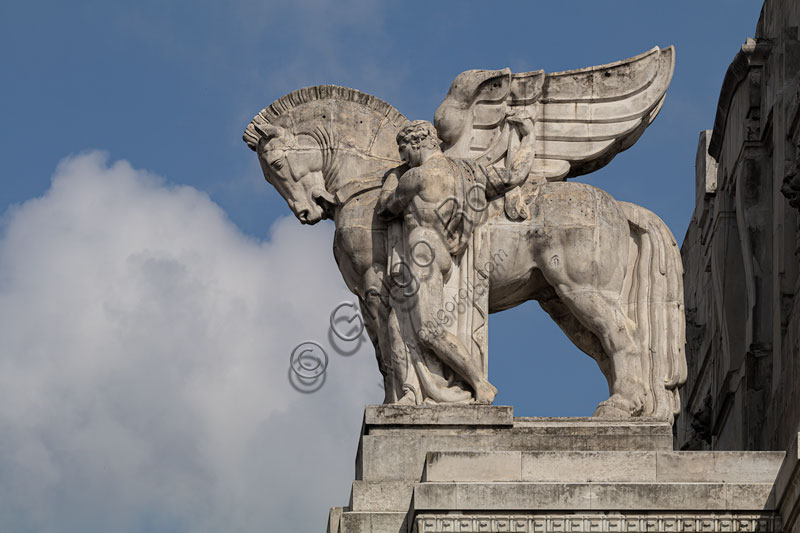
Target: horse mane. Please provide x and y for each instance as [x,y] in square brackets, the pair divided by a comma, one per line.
[282,105]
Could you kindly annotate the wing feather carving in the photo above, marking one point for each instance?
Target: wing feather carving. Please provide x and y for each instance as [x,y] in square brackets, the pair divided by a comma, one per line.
[602,81]
[583,117]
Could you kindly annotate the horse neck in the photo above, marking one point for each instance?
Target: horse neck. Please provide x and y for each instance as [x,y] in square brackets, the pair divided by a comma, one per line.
[328,150]
[345,171]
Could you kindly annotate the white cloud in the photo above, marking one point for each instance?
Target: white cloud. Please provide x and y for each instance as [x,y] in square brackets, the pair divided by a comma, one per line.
[144,346]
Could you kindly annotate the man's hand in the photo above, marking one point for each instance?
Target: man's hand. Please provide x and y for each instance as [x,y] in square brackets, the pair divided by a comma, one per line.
[515,206]
[383,209]
[388,188]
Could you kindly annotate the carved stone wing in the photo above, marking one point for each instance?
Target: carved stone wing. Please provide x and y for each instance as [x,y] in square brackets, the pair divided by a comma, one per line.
[583,117]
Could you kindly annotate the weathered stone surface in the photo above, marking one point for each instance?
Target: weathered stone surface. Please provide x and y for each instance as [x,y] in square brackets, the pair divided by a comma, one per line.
[413,469]
[524,496]
[334,518]
[541,466]
[740,251]
[381,495]
[742,273]
[627,466]
[373,522]
[398,456]
[427,218]
[438,415]
[501,496]
[598,466]
[789,468]
[787,487]
[744,467]
[473,466]
[750,496]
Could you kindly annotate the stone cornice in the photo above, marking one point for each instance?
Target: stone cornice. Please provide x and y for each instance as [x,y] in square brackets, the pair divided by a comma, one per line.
[753,52]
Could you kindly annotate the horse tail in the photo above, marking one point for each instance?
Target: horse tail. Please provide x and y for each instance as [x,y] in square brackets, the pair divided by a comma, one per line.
[655,304]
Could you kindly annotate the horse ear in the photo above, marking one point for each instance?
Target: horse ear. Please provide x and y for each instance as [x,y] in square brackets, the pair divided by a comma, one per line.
[268,131]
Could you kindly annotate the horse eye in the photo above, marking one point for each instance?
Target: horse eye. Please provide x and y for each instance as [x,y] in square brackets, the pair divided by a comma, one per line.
[277,165]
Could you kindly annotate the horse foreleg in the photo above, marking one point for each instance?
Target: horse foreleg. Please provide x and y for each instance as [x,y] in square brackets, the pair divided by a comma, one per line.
[376,307]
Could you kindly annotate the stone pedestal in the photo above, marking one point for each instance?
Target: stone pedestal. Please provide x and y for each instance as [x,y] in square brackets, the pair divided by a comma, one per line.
[477,468]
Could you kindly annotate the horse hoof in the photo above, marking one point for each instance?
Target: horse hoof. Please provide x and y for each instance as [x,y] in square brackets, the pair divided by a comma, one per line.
[609,410]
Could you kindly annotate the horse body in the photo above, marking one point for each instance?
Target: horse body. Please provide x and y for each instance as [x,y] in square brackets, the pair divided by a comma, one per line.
[571,256]
[607,272]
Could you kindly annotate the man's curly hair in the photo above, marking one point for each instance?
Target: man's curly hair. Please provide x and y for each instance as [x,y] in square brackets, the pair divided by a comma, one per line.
[419,133]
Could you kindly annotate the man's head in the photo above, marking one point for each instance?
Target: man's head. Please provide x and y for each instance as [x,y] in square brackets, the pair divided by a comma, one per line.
[417,142]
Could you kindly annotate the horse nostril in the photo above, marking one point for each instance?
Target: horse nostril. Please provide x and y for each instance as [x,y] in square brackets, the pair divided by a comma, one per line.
[303,215]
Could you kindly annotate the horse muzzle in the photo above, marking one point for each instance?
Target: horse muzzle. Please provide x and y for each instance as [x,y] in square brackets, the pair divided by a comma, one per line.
[310,215]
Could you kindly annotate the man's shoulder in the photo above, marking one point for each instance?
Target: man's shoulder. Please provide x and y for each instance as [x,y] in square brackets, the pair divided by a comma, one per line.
[423,170]
[413,174]
[437,164]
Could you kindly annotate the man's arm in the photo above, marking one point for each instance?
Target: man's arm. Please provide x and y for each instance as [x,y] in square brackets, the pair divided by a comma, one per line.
[389,186]
[394,202]
[523,160]
[516,172]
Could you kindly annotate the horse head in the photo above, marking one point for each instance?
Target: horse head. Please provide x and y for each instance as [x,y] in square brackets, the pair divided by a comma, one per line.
[319,146]
[293,164]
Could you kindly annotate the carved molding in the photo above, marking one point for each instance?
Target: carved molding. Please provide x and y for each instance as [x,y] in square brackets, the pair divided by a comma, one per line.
[790,187]
[602,523]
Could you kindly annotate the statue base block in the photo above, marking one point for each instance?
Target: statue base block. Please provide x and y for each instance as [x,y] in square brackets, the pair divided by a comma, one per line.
[478,468]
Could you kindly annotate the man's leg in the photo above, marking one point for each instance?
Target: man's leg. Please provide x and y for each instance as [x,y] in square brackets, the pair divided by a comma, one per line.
[430,264]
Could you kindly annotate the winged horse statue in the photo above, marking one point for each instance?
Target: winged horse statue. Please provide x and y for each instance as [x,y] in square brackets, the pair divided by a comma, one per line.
[608,272]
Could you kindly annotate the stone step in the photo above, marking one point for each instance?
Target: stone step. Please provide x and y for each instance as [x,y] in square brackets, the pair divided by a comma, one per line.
[367,522]
[526,496]
[395,439]
[401,455]
[381,495]
[608,466]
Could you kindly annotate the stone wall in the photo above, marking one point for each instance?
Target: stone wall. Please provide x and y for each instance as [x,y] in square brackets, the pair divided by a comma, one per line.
[741,252]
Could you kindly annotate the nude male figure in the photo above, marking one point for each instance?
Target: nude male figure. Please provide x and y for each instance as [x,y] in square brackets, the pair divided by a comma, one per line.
[437,230]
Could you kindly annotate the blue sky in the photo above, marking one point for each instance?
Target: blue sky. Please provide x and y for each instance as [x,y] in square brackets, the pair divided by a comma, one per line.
[117,118]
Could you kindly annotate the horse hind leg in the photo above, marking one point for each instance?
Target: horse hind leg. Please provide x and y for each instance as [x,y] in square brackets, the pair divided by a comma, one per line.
[581,337]
[601,313]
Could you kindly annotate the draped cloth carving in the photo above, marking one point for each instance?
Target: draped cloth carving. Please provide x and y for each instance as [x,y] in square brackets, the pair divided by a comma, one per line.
[419,376]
